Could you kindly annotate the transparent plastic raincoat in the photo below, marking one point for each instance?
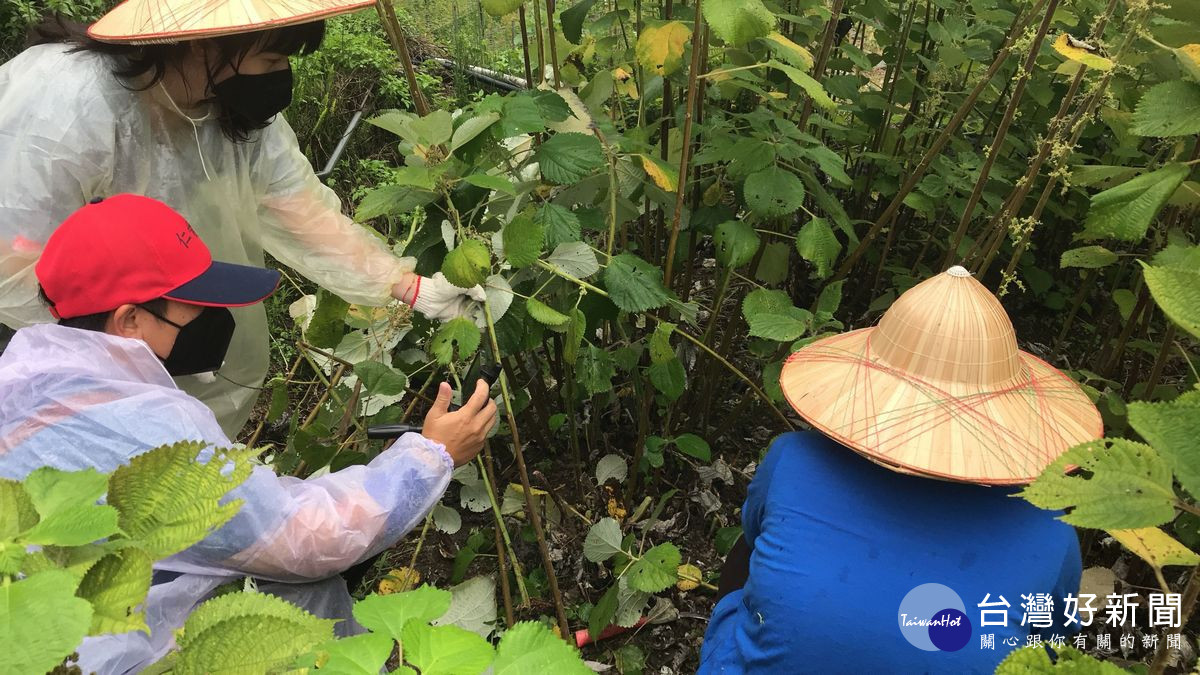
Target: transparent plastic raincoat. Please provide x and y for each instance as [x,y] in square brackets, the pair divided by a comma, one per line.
[70,131]
[76,399]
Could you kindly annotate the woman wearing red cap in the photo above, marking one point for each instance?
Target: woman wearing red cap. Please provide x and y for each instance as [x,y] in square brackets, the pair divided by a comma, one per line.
[178,100]
[139,298]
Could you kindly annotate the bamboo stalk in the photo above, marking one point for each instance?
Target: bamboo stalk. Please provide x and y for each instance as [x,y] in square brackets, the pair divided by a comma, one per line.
[391,26]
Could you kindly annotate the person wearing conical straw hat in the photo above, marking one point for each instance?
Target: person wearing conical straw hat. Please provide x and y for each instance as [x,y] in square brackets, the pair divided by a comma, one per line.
[889,538]
[178,100]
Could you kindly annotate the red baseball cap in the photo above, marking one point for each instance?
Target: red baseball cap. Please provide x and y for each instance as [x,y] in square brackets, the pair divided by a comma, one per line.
[129,249]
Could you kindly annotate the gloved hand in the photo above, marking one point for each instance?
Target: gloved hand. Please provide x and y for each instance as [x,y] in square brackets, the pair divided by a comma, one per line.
[439,299]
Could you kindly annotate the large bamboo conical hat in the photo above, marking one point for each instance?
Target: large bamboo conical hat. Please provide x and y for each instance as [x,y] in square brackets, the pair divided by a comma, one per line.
[145,21]
[940,389]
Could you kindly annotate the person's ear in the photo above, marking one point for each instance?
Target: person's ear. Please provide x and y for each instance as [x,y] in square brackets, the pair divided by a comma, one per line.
[125,321]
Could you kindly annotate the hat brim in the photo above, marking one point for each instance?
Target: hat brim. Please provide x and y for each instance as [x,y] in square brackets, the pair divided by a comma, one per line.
[227,285]
[1002,437]
[132,23]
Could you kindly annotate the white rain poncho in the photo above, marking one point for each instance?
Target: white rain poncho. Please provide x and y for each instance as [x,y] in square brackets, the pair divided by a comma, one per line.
[75,399]
[70,131]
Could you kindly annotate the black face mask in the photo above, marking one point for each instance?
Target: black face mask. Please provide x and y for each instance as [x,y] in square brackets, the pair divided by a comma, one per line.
[201,344]
[257,98]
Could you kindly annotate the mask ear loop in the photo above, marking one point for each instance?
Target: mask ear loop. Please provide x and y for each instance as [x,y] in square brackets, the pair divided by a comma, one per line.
[195,128]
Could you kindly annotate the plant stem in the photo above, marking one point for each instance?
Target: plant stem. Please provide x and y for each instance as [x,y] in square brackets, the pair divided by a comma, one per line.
[553,49]
[391,26]
[685,149]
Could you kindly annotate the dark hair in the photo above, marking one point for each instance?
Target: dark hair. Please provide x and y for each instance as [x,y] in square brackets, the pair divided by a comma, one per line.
[131,62]
[96,322]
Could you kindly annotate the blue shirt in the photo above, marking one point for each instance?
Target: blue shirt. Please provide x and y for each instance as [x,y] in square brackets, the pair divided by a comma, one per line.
[837,543]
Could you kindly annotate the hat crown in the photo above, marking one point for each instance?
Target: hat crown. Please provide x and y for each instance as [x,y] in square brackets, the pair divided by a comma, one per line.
[950,330]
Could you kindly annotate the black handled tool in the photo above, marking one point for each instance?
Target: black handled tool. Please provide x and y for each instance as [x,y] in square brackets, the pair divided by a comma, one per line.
[489,373]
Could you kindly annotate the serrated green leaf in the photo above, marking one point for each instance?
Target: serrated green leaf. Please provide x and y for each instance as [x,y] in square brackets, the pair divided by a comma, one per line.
[1177,292]
[17,512]
[575,258]
[656,570]
[545,314]
[489,182]
[73,526]
[817,244]
[773,267]
[805,81]
[694,446]
[594,370]
[472,606]
[603,613]
[574,336]
[1129,486]
[773,192]
[635,285]
[779,327]
[560,224]
[169,500]
[116,585]
[573,18]
[789,51]
[660,48]
[603,540]
[247,632]
[41,621]
[445,650]
[363,654]
[1172,428]
[458,336]
[52,490]
[631,602]
[1027,660]
[569,157]
[328,323]
[523,239]
[467,131]
[660,342]
[737,22]
[668,377]
[765,301]
[467,265]
[736,243]
[432,129]
[1171,108]
[1125,212]
[830,298]
[387,614]
[530,647]
[1088,257]
[392,200]
[380,379]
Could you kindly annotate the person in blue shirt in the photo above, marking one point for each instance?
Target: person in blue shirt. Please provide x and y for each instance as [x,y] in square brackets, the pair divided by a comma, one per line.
[911,553]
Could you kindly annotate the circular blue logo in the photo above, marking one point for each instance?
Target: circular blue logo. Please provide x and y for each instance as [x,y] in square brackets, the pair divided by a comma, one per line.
[932,617]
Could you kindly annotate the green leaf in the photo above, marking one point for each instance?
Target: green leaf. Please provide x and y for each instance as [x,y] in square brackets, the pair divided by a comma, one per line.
[656,570]
[523,239]
[575,258]
[574,336]
[551,106]
[780,327]
[459,335]
[660,343]
[595,370]
[1172,429]
[773,268]
[17,513]
[363,654]
[500,8]
[74,526]
[1129,486]
[561,224]
[328,323]
[773,192]
[1028,660]
[603,613]
[432,129]
[737,22]
[66,503]
[817,244]
[810,86]
[41,621]
[665,176]
[468,265]
[1088,257]
[392,200]
[279,400]
[247,632]
[545,314]
[521,116]
[169,500]
[830,298]
[736,243]
[468,130]
[635,285]
[572,20]
[789,51]
[603,541]
[445,650]
[387,614]
[668,377]
[116,585]
[569,157]
[489,182]
[765,301]
[694,446]
[1177,292]
[530,647]
[1171,108]
[472,606]
[380,379]
[1063,45]
[1125,212]
[660,48]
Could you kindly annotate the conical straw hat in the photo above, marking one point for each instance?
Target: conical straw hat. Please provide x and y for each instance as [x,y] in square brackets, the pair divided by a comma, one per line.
[940,389]
[144,21]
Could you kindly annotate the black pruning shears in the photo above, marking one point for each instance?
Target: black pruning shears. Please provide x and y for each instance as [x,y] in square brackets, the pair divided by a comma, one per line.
[488,373]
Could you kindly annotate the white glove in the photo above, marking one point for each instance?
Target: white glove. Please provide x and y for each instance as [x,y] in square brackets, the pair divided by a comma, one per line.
[439,299]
